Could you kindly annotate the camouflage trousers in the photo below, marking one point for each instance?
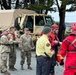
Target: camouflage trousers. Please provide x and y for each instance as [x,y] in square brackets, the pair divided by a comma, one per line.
[27,55]
[3,61]
[12,57]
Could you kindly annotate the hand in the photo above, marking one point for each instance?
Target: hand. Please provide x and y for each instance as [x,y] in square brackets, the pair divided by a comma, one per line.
[33,48]
[56,42]
[60,43]
[22,50]
[53,52]
[19,42]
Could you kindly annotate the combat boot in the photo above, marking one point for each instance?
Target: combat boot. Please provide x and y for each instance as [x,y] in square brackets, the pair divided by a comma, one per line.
[6,73]
[12,68]
[22,67]
[29,67]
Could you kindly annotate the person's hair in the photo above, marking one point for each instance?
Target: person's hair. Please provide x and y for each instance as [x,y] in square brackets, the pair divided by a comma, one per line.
[12,28]
[26,29]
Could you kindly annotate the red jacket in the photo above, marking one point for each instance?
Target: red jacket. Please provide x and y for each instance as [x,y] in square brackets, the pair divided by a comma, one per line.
[69,50]
[53,37]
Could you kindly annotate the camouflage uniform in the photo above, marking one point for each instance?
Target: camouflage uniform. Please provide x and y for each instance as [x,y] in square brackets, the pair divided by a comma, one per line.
[26,45]
[12,54]
[4,53]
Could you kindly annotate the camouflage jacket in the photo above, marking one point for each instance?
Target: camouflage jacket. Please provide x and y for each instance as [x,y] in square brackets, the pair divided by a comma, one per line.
[4,44]
[26,42]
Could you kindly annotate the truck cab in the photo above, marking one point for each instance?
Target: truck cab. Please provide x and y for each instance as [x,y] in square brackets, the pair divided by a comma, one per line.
[35,22]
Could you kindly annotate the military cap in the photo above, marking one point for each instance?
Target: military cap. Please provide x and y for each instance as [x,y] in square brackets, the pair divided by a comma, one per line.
[46,30]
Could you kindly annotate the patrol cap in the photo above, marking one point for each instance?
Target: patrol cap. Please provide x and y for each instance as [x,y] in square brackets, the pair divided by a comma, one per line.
[46,30]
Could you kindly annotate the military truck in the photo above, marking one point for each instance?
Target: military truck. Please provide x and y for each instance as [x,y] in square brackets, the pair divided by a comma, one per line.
[35,22]
[21,18]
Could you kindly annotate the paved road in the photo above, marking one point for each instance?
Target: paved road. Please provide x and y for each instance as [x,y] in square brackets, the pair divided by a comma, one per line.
[58,69]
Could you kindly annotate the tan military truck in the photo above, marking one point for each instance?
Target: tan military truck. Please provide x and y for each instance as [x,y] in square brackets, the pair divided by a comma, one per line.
[21,18]
[35,22]
[24,18]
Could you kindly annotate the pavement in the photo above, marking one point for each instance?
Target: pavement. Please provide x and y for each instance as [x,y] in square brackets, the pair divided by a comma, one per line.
[58,69]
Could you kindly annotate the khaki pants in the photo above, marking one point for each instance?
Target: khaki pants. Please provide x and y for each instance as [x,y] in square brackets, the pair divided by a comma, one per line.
[12,57]
[3,61]
[26,54]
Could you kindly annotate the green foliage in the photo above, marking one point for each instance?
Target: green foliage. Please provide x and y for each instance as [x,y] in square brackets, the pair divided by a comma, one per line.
[41,5]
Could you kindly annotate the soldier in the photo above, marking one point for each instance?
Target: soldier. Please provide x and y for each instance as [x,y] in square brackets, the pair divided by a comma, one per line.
[4,52]
[44,53]
[26,46]
[12,55]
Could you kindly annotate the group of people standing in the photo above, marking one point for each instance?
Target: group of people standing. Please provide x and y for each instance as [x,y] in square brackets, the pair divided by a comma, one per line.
[47,51]
[8,43]
[7,50]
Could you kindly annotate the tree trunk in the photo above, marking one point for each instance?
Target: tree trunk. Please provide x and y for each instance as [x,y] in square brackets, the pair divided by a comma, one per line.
[5,5]
[62,23]
[25,3]
[46,12]
[32,1]
[10,4]
[17,4]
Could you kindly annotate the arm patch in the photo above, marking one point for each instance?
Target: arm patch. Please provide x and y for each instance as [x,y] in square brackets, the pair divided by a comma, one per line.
[47,44]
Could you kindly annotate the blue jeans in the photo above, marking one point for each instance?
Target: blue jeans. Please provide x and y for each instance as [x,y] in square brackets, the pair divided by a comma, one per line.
[43,65]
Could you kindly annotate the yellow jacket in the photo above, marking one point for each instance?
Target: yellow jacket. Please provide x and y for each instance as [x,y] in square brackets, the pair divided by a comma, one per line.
[43,46]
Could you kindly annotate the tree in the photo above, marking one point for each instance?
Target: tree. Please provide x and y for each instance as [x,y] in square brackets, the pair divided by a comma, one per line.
[38,5]
[6,4]
[62,11]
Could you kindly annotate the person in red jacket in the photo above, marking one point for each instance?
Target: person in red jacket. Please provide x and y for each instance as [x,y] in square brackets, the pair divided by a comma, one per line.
[68,49]
[54,40]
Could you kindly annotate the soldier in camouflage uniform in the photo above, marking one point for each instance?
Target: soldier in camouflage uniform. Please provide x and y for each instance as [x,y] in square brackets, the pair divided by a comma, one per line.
[4,52]
[12,55]
[26,46]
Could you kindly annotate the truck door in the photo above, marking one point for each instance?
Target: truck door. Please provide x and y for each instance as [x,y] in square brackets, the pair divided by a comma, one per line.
[39,24]
[28,22]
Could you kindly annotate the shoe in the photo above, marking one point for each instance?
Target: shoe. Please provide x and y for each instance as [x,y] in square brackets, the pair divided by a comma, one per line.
[22,67]
[29,67]
[12,69]
[6,73]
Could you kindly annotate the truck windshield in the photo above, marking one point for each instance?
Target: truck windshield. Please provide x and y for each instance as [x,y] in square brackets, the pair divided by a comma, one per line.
[39,20]
[49,20]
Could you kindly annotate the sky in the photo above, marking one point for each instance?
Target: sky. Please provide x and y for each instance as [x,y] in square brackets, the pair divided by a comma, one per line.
[69,16]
